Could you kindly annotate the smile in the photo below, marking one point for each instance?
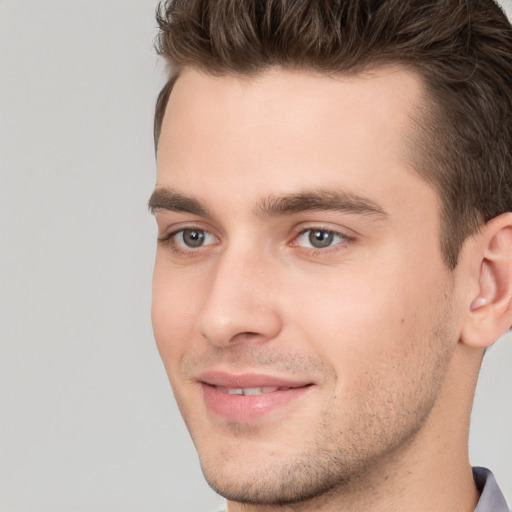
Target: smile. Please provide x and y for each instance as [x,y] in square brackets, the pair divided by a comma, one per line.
[249,397]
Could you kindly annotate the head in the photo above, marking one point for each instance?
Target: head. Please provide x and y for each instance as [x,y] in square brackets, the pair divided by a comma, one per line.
[333,199]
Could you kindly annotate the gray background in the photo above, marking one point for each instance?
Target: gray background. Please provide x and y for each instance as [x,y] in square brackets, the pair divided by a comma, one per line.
[87,420]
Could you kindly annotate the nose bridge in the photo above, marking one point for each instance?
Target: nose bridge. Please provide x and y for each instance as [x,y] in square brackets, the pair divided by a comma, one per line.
[239,304]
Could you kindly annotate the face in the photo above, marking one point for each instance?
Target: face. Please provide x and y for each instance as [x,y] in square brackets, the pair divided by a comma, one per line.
[300,302]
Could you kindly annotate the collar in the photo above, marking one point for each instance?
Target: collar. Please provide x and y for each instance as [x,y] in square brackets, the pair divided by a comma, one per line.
[491,498]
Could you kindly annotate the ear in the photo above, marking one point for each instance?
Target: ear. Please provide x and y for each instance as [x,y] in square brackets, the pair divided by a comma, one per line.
[490,307]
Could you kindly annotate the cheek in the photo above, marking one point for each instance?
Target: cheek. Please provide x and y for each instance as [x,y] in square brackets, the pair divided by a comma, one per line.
[173,312]
[361,322]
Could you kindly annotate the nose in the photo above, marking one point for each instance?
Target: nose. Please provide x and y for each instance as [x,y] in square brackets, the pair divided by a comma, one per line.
[241,303]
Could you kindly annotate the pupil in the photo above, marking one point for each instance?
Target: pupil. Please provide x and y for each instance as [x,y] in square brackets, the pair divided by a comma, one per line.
[193,237]
[320,239]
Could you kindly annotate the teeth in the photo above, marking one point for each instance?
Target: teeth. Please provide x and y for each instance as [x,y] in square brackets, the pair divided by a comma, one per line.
[259,391]
[250,391]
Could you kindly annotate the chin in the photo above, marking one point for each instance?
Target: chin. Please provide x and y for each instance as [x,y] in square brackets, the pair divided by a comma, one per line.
[267,477]
[286,485]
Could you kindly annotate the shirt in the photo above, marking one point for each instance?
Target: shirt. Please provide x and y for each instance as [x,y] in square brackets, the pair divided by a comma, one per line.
[491,498]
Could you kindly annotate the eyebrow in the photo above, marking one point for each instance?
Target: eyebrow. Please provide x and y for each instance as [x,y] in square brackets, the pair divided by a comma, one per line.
[164,198]
[168,199]
[320,200]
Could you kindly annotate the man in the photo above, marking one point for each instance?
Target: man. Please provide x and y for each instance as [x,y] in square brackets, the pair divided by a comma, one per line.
[334,207]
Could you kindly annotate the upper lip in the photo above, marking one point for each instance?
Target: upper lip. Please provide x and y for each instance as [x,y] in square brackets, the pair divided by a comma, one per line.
[249,380]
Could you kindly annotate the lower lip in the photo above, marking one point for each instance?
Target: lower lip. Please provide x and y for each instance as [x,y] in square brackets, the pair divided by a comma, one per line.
[242,408]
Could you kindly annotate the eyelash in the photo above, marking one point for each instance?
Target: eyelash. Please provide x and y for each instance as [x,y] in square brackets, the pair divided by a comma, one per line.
[345,240]
[170,240]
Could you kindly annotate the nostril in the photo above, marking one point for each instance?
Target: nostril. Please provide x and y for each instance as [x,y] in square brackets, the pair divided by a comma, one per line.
[241,337]
[246,336]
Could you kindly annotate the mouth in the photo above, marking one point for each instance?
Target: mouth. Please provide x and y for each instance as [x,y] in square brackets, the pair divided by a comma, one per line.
[246,398]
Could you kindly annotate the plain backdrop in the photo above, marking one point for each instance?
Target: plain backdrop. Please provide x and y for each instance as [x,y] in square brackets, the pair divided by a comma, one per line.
[87,418]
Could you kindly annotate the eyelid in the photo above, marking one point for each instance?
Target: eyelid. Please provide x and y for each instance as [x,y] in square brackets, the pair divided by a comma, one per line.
[169,238]
[169,229]
[338,231]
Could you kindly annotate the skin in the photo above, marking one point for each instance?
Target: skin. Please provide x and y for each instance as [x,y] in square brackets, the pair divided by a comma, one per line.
[375,322]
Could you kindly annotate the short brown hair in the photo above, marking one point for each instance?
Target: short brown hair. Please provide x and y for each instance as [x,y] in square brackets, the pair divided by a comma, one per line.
[461,48]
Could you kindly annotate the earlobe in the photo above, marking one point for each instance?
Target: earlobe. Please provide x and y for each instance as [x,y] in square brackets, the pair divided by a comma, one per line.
[490,309]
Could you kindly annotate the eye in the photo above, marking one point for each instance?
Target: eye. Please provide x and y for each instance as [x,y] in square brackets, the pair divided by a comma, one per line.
[192,238]
[319,238]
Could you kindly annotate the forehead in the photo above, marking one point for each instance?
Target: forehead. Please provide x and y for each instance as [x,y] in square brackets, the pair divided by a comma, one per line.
[266,132]
[276,92]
